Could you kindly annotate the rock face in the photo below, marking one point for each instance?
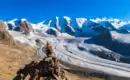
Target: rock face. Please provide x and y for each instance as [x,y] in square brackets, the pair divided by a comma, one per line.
[51,32]
[69,29]
[26,27]
[4,35]
[106,40]
[107,55]
[10,26]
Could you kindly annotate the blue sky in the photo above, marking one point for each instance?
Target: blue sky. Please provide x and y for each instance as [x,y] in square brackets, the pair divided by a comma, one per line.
[38,10]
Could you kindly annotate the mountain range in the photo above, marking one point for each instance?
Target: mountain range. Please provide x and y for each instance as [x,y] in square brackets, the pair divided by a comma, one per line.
[112,34]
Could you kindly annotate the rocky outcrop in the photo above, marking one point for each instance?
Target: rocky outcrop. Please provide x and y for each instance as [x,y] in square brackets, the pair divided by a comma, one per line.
[4,35]
[47,69]
[25,27]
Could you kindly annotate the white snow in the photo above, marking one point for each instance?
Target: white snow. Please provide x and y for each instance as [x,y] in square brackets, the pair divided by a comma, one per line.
[12,21]
[23,19]
[80,21]
[57,23]
[115,22]
[49,23]
[68,19]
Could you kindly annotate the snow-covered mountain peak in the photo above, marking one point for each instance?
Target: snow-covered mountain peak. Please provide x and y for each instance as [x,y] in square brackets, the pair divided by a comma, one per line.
[75,26]
[98,19]
[57,18]
[12,21]
[57,24]
[68,19]
[41,23]
[49,23]
[117,23]
[80,21]
[23,19]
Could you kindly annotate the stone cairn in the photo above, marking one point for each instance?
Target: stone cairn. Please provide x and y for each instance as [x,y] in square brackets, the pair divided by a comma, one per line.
[47,69]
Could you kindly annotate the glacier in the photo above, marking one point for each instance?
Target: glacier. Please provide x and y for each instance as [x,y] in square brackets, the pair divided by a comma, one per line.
[81,45]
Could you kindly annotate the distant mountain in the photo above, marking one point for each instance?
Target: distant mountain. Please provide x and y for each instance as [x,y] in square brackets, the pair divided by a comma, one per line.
[67,27]
[125,27]
[107,25]
[79,27]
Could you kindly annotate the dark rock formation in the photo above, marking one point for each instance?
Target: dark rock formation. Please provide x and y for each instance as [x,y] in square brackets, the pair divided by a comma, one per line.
[26,27]
[69,29]
[107,55]
[105,39]
[58,27]
[10,26]
[51,32]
